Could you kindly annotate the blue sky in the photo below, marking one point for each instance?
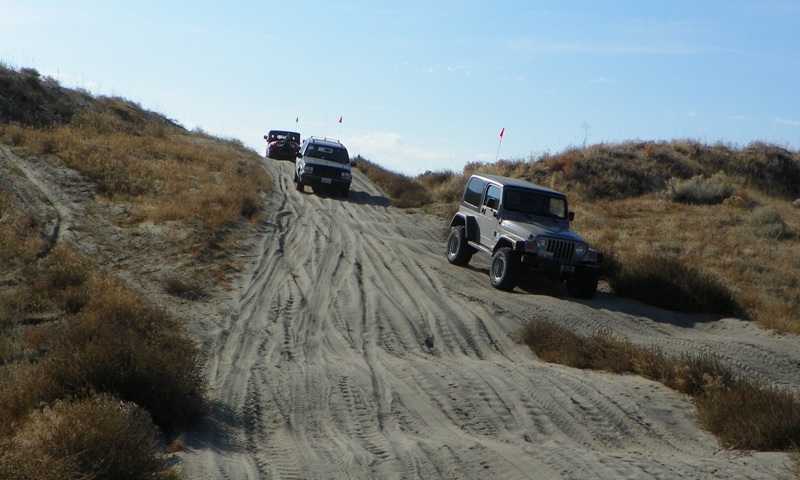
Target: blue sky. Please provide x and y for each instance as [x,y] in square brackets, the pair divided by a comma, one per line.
[426,85]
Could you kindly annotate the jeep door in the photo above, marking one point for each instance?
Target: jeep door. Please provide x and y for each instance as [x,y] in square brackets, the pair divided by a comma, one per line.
[488,216]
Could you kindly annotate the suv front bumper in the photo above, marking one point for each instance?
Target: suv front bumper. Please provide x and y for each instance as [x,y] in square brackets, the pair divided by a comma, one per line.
[317,180]
[559,267]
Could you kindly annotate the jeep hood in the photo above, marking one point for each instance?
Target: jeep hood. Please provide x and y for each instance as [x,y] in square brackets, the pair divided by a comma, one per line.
[551,228]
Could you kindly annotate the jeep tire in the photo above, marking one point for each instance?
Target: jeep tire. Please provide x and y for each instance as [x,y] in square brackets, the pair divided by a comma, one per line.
[582,286]
[505,270]
[298,184]
[458,251]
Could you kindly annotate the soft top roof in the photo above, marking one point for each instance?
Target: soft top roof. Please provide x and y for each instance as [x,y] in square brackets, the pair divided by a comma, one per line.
[516,182]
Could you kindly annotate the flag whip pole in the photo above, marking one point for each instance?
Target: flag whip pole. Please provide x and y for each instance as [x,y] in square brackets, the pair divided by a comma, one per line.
[497,156]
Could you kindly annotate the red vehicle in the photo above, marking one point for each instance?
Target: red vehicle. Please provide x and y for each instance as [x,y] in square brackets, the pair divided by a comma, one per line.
[282,145]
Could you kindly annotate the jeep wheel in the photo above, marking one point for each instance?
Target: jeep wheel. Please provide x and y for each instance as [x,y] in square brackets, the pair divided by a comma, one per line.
[458,251]
[345,192]
[505,270]
[582,286]
[298,184]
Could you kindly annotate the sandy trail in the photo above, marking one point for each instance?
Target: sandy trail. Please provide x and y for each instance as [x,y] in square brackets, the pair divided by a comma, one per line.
[356,351]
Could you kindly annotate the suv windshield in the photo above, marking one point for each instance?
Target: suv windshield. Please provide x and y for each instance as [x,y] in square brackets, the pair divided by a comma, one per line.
[534,203]
[333,154]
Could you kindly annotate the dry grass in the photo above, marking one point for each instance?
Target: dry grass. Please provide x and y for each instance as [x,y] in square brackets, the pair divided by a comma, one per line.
[166,173]
[89,372]
[403,191]
[95,437]
[710,228]
[741,412]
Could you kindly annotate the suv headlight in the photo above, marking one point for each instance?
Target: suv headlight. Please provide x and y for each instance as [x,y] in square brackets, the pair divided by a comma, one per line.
[308,169]
[347,175]
[580,249]
[541,243]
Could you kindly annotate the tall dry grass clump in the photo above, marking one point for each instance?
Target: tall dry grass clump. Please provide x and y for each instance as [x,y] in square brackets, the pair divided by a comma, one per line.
[669,282]
[89,371]
[403,191]
[742,412]
[95,437]
[139,157]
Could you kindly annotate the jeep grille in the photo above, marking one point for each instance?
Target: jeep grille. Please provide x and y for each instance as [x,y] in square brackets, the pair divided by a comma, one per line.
[327,172]
[562,249]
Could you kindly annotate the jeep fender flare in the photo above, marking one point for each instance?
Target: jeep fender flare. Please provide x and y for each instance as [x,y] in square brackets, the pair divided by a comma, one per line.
[468,222]
[504,242]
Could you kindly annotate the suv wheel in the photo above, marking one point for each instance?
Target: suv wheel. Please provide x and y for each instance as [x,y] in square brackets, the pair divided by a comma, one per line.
[582,286]
[458,251]
[298,184]
[505,270]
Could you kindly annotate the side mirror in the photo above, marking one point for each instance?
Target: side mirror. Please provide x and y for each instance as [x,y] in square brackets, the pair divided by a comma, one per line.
[353,163]
[299,155]
[571,216]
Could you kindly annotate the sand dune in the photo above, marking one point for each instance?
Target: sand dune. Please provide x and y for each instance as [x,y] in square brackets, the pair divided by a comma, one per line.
[354,350]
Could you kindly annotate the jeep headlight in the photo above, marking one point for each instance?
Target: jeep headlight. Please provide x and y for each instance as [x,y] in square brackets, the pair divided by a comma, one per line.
[347,175]
[541,243]
[580,249]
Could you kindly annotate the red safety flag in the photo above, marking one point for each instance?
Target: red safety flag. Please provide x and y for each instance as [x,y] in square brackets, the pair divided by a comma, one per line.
[502,132]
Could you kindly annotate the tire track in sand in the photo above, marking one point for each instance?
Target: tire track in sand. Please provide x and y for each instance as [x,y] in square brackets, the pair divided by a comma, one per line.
[357,352]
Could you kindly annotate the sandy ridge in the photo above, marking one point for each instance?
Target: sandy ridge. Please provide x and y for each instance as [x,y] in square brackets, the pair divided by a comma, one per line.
[355,351]
[351,349]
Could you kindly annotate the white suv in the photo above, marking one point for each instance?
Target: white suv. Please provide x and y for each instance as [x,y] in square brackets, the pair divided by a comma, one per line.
[323,162]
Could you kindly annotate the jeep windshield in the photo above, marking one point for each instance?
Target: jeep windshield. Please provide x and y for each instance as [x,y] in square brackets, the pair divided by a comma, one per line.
[530,202]
[333,154]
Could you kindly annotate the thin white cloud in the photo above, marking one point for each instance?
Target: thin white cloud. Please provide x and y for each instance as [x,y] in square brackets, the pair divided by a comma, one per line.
[392,151]
[787,121]
[603,80]
[744,118]
[538,46]
[436,69]
[691,113]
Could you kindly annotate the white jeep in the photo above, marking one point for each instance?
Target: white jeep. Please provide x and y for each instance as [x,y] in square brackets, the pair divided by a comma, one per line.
[521,226]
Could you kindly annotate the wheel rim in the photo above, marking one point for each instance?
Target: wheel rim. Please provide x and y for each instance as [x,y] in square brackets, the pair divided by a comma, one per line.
[452,246]
[498,267]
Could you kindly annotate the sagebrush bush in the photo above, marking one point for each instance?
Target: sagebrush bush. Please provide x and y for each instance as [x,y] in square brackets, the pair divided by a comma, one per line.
[701,189]
[742,413]
[668,282]
[121,345]
[95,437]
[403,191]
[767,223]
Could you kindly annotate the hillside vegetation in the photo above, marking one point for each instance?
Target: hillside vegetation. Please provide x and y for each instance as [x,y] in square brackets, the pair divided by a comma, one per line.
[683,226]
[96,375]
[95,372]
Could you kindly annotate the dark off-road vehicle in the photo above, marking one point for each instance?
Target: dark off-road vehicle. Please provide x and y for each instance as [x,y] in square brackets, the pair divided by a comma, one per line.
[282,145]
[323,163]
[522,226]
